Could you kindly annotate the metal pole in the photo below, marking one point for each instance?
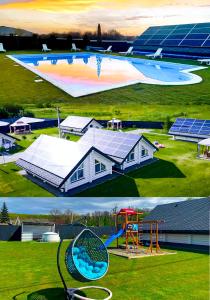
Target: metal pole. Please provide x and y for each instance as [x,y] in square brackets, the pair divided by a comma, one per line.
[58,116]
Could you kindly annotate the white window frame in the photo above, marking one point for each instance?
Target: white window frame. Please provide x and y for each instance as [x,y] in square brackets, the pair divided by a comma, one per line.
[97,162]
[76,173]
[145,150]
[129,159]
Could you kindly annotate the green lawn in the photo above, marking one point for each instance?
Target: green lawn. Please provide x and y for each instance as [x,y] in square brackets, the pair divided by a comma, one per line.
[136,102]
[28,271]
[177,173]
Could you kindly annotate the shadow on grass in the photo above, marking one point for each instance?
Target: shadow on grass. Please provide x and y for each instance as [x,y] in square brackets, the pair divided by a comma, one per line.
[160,169]
[49,294]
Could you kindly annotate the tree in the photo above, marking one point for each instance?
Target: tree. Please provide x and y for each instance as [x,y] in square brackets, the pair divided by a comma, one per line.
[4,216]
[99,39]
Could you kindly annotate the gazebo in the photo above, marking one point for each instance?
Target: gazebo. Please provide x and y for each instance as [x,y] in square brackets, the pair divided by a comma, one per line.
[20,127]
[204,149]
[114,124]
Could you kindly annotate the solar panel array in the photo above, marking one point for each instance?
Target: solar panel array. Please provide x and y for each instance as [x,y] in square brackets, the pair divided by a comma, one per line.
[185,35]
[116,144]
[191,127]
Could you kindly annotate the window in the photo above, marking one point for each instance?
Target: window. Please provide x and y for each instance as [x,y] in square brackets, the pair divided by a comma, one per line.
[78,174]
[99,167]
[130,157]
[144,152]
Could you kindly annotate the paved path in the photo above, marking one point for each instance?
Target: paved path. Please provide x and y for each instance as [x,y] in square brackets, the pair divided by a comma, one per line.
[140,131]
[7,158]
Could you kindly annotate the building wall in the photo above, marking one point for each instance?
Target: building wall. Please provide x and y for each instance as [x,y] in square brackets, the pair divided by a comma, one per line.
[137,153]
[93,124]
[194,239]
[89,170]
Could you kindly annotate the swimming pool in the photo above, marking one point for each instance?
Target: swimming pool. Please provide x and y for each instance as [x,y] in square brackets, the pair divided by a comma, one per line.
[80,74]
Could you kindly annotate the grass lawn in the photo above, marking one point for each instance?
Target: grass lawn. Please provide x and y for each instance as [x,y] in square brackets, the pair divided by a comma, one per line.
[28,271]
[26,140]
[177,173]
[136,102]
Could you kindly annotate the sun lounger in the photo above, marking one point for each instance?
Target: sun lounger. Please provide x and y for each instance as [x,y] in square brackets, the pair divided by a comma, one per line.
[74,48]
[204,61]
[45,48]
[128,52]
[109,49]
[157,54]
[2,48]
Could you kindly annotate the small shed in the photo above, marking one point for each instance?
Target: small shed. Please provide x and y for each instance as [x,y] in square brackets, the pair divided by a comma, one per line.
[114,124]
[20,127]
[204,149]
[78,125]
[31,230]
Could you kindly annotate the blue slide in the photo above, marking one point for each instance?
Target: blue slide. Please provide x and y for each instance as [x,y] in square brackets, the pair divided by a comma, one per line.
[114,237]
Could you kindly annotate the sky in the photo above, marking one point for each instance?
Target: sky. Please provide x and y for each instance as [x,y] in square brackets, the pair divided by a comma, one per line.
[130,17]
[81,205]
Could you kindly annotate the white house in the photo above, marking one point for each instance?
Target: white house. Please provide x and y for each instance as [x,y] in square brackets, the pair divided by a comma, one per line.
[186,223]
[7,141]
[126,149]
[64,164]
[67,165]
[78,125]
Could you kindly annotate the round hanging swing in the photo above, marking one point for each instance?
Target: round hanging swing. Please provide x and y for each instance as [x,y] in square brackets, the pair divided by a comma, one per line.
[86,259]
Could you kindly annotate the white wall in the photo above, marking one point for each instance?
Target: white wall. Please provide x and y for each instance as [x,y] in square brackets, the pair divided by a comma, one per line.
[93,124]
[89,170]
[137,153]
[194,239]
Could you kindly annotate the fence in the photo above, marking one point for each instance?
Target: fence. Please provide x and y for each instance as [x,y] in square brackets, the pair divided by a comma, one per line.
[13,233]
[10,233]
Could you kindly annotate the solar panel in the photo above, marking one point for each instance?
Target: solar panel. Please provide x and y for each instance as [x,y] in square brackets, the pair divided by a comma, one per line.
[116,144]
[184,36]
[191,127]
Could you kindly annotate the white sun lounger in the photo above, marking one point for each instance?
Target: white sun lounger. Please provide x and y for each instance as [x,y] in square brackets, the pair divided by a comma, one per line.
[128,52]
[109,49]
[74,48]
[45,48]
[204,61]
[158,53]
[2,48]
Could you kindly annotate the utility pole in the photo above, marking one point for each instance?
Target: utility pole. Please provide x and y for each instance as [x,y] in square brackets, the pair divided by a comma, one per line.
[59,121]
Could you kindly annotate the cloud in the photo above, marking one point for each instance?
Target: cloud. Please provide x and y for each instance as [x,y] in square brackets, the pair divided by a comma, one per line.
[80,205]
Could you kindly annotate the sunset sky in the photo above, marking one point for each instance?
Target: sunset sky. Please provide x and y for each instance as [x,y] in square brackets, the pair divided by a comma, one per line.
[128,16]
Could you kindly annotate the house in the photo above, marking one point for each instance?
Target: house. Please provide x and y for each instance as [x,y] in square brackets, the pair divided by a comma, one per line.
[126,149]
[32,230]
[7,141]
[186,223]
[68,165]
[78,125]
[64,164]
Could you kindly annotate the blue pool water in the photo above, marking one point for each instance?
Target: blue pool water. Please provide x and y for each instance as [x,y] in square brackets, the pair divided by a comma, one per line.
[81,74]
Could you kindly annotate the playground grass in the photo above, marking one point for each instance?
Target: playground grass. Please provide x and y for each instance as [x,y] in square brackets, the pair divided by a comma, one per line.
[28,271]
[135,102]
[177,173]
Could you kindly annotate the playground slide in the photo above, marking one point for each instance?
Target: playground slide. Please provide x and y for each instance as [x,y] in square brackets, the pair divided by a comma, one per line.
[114,237]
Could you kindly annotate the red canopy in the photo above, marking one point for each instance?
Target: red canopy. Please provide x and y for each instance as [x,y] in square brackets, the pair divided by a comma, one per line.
[128,211]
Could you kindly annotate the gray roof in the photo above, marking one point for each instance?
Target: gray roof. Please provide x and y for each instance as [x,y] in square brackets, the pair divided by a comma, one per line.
[113,143]
[3,123]
[189,215]
[7,137]
[76,122]
[52,158]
